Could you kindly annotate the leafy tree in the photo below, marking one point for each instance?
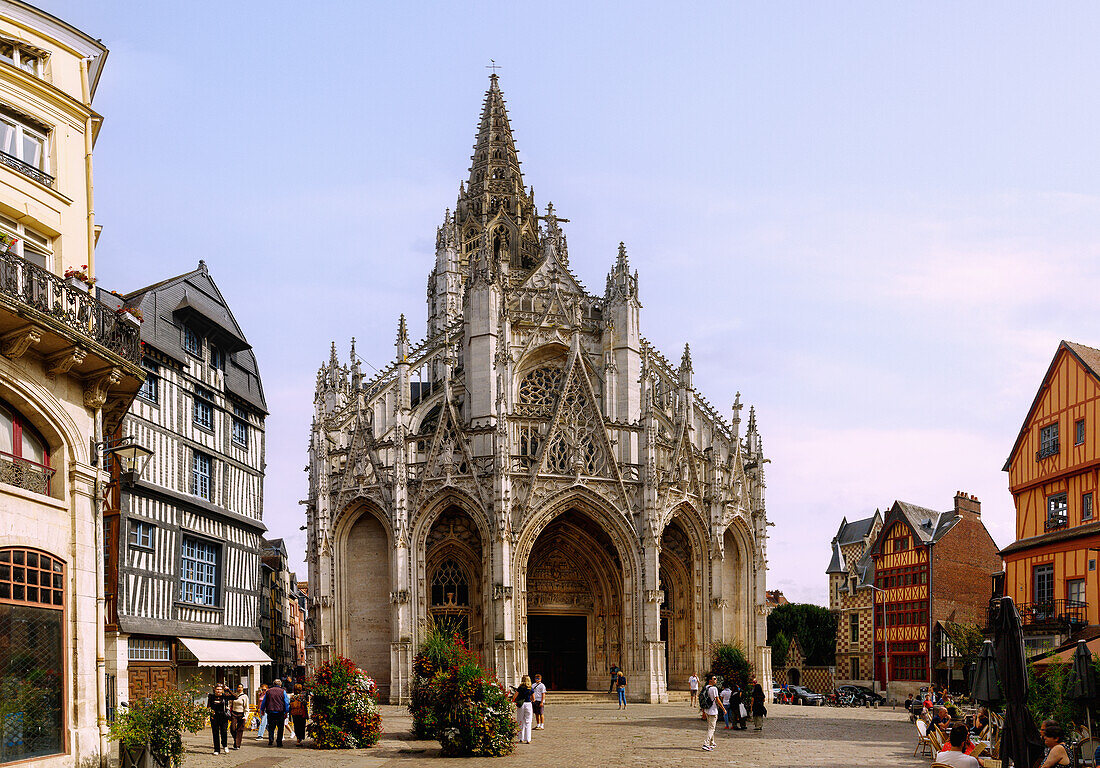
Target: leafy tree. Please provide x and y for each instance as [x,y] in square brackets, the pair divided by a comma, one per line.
[813,626]
[967,639]
[780,646]
[1048,694]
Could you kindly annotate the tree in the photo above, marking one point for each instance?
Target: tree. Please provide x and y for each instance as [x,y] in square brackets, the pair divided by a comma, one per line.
[813,626]
[728,662]
[967,639]
[780,646]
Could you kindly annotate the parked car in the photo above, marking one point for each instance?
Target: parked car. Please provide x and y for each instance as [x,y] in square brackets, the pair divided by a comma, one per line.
[863,694]
[805,696]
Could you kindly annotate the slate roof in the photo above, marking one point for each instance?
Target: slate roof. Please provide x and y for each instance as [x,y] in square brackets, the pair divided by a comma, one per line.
[849,533]
[194,298]
[929,524]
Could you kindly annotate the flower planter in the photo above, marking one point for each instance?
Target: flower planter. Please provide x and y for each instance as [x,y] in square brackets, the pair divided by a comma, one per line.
[78,284]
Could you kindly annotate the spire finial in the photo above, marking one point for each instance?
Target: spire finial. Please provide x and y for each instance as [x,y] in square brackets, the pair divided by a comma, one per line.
[353,358]
[737,415]
[685,361]
[621,261]
[332,359]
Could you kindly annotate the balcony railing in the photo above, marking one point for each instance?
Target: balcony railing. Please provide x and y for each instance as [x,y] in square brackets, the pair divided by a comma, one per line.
[28,475]
[1050,449]
[1056,521]
[1054,614]
[70,306]
[27,169]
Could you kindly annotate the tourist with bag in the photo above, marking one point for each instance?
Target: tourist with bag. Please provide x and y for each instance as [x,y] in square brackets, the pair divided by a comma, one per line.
[238,711]
[758,708]
[524,710]
[275,704]
[218,704]
[261,716]
[299,711]
[711,704]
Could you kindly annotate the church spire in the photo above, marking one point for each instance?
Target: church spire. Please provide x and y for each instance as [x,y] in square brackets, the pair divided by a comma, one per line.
[495,150]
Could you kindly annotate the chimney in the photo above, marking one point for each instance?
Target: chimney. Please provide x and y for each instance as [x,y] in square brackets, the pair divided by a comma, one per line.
[967,503]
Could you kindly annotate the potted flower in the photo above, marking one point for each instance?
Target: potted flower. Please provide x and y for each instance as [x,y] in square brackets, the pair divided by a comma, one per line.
[150,731]
[79,278]
[7,242]
[133,312]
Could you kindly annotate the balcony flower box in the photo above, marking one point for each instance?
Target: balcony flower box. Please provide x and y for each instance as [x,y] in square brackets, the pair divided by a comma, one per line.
[7,243]
[79,279]
[133,314]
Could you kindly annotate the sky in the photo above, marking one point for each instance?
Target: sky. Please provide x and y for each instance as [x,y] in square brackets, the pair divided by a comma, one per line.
[874,220]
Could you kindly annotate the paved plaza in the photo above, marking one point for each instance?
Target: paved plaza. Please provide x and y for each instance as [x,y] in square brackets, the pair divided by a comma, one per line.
[597,734]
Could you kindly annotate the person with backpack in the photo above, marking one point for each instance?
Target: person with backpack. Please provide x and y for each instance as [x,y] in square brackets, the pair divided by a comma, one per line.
[276,703]
[711,704]
[299,711]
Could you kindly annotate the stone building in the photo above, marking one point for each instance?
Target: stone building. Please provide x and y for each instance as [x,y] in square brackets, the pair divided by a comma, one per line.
[183,540]
[851,572]
[69,367]
[930,568]
[534,472]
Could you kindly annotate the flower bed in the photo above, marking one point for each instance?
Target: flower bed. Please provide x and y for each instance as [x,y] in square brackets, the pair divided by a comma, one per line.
[345,714]
[459,702]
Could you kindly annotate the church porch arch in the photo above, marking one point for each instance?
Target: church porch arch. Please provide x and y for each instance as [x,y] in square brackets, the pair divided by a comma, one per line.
[682,578]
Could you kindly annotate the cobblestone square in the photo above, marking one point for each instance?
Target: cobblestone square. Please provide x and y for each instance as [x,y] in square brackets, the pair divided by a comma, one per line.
[597,734]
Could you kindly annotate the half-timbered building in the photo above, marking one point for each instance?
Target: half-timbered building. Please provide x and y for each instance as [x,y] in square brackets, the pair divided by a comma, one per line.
[851,573]
[930,568]
[184,539]
[534,472]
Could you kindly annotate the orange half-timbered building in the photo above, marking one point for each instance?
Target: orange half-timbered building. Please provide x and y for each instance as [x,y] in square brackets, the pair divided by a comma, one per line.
[930,567]
[1050,570]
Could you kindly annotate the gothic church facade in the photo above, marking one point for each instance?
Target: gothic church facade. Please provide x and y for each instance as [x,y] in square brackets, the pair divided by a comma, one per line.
[534,473]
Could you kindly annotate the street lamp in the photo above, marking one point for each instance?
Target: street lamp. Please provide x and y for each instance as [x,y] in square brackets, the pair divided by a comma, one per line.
[132,456]
[885,637]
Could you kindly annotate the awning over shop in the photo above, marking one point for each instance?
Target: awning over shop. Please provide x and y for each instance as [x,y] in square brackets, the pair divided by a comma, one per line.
[1066,656]
[225,653]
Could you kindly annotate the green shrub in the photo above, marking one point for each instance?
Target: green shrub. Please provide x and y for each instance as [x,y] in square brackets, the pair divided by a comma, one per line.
[729,663]
[160,721]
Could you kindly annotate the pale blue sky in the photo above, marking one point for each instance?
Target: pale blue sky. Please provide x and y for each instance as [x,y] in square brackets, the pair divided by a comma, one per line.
[876,220]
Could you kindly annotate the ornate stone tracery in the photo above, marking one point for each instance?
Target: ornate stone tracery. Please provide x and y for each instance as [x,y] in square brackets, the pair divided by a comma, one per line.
[533,465]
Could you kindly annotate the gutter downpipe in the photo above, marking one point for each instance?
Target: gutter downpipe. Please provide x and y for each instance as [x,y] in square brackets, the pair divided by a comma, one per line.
[97,501]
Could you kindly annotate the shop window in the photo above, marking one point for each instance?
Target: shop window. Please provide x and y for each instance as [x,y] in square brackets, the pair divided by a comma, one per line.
[24,454]
[32,668]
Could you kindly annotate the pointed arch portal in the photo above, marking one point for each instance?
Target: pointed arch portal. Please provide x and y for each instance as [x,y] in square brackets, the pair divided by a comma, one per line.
[574,603]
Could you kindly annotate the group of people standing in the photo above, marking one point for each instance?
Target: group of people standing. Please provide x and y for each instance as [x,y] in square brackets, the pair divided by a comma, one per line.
[273,704]
[734,704]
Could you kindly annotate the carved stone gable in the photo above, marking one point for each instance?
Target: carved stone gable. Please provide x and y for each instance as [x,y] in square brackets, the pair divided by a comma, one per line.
[556,580]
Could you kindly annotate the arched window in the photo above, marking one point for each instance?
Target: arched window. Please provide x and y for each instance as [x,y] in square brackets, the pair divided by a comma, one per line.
[32,662]
[538,391]
[451,598]
[24,454]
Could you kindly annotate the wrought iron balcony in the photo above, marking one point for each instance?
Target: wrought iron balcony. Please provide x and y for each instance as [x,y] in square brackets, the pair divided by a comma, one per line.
[34,288]
[28,475]
[1054,614]
[1050,449]
[1056,521]
[27,169]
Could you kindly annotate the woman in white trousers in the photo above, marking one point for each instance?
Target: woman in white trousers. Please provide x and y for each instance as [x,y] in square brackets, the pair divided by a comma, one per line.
[524,710]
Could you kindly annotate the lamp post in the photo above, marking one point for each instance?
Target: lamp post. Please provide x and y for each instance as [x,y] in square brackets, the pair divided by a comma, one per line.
[885,639]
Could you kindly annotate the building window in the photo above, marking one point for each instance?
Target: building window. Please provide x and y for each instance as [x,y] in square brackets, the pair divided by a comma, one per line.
[199,572]
[1075,593]
[200,475]
[203,408]
[26,60]
[1057,512]
[1086,506]
[31,245]
[901,543]
[909,668]
[240,426]
[855,667]
[451,597]
[1048,441]
[32,667]
[141,535]
[24,455]
[24,147]
[217,358]
[1043,582]
[191,342]
[150,389]
[148,650]
[853,627]
[1079,432]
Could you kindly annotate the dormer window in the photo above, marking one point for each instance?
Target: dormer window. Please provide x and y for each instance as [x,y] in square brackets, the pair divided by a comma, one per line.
[191,342]
[21,56]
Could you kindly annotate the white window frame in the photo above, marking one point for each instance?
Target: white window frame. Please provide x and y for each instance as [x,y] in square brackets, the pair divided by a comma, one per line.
[19,55]
[20,129]
[202,412]
[198,572]
[28,240]
[141,649]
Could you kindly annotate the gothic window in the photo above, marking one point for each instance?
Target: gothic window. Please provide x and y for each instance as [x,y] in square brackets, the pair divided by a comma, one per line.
[573,448]
[451,598]
[538,391]
[498,173]
[427,429]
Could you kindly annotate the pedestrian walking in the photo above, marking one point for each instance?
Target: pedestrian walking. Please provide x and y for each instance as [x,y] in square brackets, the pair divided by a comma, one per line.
[238,713]
[299,711]
[739,713]
[758,708]
[276,703]
[538,701]
[524,710]
[218,704]
[693,686]
[725,696]
[620,685]
[614,678]
[261,728]
[711,705]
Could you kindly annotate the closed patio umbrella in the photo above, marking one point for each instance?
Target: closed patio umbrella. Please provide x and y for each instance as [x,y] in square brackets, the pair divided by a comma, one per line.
[1084,679]
[987,688]
[1020,738]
